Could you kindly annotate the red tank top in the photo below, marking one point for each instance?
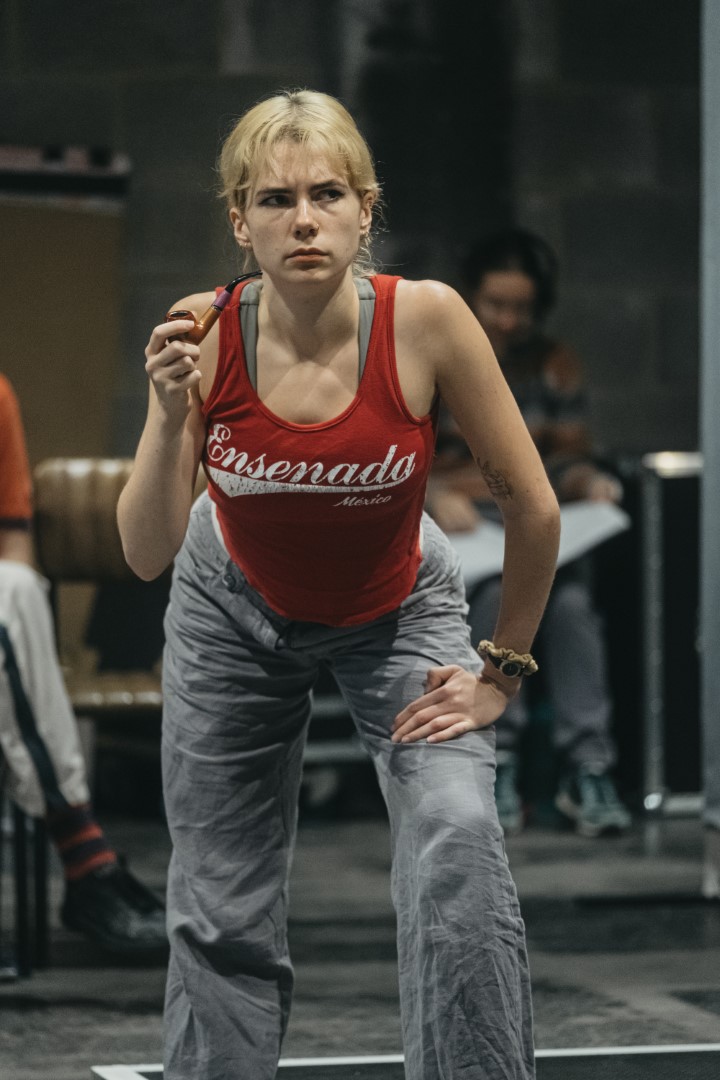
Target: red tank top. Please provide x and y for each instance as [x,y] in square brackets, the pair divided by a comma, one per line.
[323,519]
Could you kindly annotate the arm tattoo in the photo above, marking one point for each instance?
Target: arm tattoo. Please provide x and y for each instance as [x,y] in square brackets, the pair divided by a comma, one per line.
[496,482]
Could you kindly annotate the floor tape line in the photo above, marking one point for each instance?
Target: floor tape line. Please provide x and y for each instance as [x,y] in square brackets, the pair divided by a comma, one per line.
[604,1051]
[379,1059]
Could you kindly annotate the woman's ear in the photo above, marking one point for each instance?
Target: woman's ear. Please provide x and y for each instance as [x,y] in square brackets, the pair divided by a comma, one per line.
[366,205]
[239,227]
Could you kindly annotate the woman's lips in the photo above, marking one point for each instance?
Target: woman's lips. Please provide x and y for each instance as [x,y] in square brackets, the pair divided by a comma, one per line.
[310,253]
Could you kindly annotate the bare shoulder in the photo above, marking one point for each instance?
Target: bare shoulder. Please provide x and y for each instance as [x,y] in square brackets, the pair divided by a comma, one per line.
[431,310]
[427,303]
[436,322]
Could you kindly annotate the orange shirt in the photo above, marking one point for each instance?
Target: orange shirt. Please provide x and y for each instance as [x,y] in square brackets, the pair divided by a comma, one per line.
[15,484]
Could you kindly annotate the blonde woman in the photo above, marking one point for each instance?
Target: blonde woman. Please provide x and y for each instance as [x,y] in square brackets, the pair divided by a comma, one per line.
[312,405]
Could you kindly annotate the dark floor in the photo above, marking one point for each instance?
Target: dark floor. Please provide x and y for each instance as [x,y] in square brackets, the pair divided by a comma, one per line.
[623,953]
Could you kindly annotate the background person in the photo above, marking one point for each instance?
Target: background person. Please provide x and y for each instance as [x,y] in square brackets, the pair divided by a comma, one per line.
[41,764]
[510,280]
[312,405]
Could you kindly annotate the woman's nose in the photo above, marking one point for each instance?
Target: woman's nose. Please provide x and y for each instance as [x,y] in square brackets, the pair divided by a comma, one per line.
[305,219]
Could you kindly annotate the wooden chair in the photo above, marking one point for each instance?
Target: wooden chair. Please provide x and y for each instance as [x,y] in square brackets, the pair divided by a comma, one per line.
[77,540]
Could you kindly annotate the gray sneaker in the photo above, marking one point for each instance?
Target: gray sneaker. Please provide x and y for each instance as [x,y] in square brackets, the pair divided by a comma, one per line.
[507,799]
[589,798]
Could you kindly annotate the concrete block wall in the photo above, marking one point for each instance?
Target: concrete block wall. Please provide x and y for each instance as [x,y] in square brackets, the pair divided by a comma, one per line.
[606,167]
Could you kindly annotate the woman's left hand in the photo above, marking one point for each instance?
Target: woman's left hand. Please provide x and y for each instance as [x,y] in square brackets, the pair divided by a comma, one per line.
[455,702]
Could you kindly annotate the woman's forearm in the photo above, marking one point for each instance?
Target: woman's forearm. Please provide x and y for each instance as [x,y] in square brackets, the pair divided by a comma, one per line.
[531,547]
[154,507]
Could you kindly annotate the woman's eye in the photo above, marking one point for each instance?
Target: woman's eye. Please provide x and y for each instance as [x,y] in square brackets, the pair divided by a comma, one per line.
[283,199]
[331,194]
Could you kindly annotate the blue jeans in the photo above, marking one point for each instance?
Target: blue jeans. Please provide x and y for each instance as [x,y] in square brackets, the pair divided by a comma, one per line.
[237,682]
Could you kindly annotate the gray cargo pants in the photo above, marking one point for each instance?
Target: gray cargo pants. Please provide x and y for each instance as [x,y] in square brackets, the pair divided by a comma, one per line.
[237,683]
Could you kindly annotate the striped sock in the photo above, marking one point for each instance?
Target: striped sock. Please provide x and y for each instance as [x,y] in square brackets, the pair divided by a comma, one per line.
[79,840]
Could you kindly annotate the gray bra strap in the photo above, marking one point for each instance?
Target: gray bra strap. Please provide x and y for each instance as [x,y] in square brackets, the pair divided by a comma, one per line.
[367,311]
[249,323]
[249,327]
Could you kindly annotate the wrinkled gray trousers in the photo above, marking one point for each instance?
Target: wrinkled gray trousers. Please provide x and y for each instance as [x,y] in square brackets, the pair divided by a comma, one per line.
[237,683]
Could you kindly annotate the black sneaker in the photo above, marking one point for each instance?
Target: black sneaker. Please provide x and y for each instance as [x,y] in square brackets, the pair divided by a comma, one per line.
[115,910]
[589,798]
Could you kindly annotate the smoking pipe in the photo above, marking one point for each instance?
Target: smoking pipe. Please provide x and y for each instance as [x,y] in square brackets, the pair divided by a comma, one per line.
[205,322]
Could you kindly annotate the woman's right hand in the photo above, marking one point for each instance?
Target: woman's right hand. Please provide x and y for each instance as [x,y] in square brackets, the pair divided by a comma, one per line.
[171,364]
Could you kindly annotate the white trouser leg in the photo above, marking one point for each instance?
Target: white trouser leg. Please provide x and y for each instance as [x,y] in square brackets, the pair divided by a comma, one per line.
[38,732]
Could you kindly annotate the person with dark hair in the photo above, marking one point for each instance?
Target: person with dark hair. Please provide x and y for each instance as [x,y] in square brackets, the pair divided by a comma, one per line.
[312,405]
[41,764]
[510,281]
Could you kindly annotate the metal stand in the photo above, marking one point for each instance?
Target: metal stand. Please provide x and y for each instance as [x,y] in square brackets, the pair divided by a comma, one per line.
[658,801]
[28,946]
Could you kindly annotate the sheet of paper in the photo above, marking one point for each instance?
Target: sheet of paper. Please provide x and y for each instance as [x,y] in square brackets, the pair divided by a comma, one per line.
[583,525]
